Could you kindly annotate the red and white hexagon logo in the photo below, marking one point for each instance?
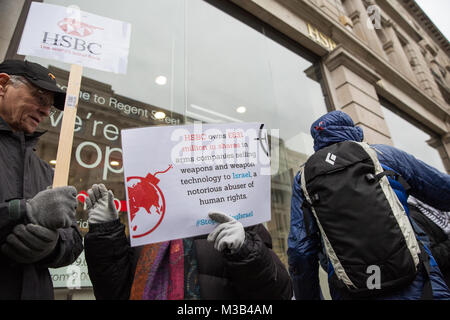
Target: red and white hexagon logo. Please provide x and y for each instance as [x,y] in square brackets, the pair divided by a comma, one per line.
[77,28]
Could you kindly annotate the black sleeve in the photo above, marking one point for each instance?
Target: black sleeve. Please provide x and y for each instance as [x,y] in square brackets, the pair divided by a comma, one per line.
[70,241]
[8,219]
[256,271]
[441,252]
[110,260]
[68,248]
[439,241]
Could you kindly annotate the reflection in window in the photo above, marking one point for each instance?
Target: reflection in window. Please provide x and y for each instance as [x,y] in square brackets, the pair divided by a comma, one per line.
[411,139]
[238,73]
[191,61]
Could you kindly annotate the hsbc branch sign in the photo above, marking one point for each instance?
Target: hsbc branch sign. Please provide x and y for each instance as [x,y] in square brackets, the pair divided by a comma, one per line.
[76,37]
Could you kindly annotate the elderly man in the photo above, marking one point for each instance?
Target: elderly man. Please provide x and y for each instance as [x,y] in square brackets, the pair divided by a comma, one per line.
[37,223]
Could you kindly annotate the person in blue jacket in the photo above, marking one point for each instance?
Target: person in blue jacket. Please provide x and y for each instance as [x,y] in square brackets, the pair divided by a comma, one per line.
[305,249]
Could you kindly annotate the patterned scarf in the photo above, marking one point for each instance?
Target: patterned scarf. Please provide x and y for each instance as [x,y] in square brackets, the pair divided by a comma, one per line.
[440,218]
[166,271]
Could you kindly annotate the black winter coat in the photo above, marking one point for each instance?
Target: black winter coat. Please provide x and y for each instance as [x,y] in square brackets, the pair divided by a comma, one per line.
[439,241]
[254,272]
[22,176]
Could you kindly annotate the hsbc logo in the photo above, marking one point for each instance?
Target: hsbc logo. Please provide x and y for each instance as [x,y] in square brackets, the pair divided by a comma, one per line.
[331,158]
[67,34]
[76,28]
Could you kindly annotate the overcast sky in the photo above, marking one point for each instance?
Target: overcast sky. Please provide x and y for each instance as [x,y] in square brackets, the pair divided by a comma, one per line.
[438,11]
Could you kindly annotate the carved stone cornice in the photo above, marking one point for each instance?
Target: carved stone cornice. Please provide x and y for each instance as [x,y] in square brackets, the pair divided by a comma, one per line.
[427,24]
[341,57]
[388,45]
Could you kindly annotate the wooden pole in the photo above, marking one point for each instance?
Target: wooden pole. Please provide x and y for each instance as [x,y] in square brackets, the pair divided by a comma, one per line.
[64,154]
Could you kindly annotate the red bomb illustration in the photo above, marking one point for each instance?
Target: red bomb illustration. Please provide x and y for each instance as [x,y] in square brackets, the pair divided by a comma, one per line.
[146,198]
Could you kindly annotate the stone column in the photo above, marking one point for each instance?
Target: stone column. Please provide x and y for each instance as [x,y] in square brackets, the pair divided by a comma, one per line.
[442,145]
[352,87]
[395,52]
[358,13]
[446,146]
[421,70]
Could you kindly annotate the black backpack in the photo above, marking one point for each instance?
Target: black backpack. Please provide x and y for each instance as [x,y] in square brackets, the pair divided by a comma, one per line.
[364,227]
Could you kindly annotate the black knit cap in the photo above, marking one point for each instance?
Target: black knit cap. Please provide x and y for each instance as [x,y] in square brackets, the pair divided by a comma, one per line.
[38,75]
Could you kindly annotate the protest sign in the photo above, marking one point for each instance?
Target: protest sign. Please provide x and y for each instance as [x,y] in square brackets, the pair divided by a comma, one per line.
[70,35]
[83,39]
[74,276]
[175,175]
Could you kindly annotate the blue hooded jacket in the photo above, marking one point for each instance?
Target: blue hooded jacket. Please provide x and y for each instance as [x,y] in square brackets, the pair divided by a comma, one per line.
[304,244]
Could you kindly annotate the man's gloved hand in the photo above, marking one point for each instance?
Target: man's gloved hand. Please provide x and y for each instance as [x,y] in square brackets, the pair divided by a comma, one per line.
[100,205]
[53,208]
[228,234]
[29,243]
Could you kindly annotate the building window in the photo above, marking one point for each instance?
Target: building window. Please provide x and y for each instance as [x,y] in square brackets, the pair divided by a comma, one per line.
[191,60]
[409,137]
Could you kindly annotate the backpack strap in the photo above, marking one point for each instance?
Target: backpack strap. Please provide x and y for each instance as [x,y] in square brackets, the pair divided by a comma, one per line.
[394,175]
[427,291]
[307,216]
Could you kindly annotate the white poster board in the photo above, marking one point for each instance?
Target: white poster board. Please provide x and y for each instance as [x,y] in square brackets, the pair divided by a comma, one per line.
[77,37]
[74,276]
[175,175]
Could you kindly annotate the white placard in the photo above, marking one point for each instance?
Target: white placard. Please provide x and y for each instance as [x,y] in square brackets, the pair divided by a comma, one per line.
[77,37]
[175,175]
[74,276]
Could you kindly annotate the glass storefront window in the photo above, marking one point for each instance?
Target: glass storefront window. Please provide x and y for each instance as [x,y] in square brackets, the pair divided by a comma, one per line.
[411,139]
[191,61]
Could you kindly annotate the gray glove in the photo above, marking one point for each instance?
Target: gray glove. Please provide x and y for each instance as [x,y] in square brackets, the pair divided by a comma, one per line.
[228,234]
[53,208]
[29,243]
[100,205]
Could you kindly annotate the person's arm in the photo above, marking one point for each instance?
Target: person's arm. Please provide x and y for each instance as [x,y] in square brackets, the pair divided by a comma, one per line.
[441,252]
[67,250]
[439,242]
[12,213]
[427,183]
[110,259]
[303,248]
[253,268]
[50,208]
[256,271]
[42,229]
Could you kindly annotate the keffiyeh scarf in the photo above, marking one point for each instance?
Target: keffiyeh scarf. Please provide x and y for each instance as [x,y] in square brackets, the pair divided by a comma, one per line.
[440,218]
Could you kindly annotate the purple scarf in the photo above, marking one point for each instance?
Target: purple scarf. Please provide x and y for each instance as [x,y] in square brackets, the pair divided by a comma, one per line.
[160,272]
